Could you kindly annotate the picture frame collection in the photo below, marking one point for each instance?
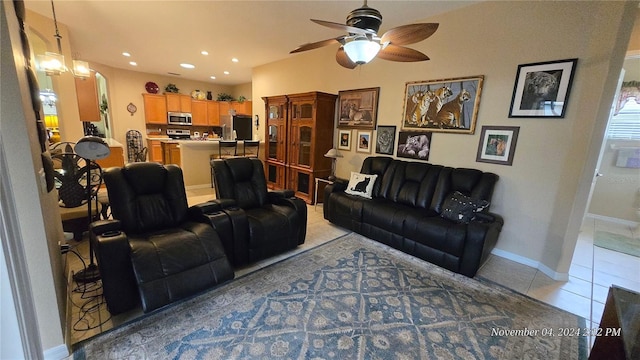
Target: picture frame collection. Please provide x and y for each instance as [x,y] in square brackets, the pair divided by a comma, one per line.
[541,90]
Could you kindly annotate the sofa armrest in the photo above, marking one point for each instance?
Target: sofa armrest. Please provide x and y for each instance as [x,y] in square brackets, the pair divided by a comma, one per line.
[275,195]
[111,247]
[204,208]
[489,217]
[481,239]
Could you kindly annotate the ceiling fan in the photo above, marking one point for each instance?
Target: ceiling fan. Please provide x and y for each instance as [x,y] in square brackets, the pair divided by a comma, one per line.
[362,43]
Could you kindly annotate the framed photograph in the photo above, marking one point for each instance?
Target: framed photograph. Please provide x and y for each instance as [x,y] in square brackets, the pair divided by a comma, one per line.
[385,139]
[358,108]
[414,144]
[497,144]
[542,89]
[344,141]
[363,142]
[449,105]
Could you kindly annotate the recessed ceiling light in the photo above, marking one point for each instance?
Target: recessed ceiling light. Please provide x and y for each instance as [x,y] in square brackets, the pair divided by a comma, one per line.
[212,77]
[133,63]
[126,54]
[226,73]
[203,52]
[234,60]
[188,66]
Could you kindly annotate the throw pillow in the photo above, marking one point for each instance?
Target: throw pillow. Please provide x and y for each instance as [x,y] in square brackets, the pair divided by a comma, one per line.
[461,208]
[361,184]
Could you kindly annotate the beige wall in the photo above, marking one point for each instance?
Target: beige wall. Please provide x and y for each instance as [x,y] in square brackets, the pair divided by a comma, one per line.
[536,194]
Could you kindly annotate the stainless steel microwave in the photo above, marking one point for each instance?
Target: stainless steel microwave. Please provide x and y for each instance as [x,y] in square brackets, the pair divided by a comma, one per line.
[174,118]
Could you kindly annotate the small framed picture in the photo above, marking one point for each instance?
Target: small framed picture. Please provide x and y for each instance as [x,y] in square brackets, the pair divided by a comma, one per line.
[542,89]
[414,144]
[344,142]
[358,108]
[363,142]
[497,144]
[385,139]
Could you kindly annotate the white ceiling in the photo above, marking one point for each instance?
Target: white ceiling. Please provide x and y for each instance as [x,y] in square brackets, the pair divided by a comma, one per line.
[162,34]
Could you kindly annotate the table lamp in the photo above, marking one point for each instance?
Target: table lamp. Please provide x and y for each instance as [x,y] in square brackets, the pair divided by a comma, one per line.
[90,148]
[333,154]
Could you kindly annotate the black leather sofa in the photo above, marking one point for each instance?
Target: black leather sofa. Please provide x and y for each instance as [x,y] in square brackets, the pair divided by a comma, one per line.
[406,212]
[263,223]
[156,250]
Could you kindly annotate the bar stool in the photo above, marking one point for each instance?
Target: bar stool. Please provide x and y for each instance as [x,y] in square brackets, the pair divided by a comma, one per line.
[251,148]
[226,149]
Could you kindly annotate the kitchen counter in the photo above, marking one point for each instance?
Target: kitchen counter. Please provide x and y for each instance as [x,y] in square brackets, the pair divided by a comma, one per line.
[195,159]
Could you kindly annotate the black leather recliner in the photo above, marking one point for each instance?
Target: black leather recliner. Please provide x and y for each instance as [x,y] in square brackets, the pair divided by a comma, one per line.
[265,223]
[156,249]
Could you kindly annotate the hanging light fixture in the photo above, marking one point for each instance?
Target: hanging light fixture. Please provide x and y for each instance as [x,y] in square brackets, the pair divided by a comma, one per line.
[53,63]
[361,50]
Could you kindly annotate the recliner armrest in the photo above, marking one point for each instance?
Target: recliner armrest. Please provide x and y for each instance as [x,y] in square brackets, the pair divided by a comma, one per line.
[204,208]
[225,203]
[275,195]
[488,217]
[103,226]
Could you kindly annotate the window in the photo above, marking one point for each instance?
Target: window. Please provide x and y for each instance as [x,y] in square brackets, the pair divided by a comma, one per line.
[625,123]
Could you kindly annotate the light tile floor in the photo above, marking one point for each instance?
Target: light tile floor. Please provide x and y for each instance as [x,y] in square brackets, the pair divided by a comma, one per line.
[592,271]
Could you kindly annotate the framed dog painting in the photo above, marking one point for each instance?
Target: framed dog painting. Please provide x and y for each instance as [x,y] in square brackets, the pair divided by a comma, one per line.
[449,105]
[358,108]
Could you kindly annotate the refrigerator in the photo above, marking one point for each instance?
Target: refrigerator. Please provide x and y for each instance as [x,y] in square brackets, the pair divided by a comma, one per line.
[241,124]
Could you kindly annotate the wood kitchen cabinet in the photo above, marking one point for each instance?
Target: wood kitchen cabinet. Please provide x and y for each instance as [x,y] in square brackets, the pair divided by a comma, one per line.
[178,103]
[171,153]
[299,132]
[87,96]
[115,158]
[155,109]
[199,113]
[243,108]
[213,113]
[154,148]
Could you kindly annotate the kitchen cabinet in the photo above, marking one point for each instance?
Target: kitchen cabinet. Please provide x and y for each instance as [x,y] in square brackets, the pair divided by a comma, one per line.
[213,113]
[241,108]
[154,148]
[87,96]
[171,153]
[178,103]
[299,132]
[199,113]
[155,109]
[115,158]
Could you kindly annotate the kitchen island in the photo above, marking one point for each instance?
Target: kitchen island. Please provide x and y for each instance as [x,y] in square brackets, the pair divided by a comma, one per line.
[194,159]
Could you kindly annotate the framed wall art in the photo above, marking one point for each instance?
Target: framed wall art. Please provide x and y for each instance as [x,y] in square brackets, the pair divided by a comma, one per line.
[497,144]
[385,139]
[363,142]
[542,89]
[358,108]
[449,105]
[344,142]
[414,144]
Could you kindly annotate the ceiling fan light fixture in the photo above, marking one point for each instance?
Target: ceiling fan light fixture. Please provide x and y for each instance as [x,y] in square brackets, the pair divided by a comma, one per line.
[361,51]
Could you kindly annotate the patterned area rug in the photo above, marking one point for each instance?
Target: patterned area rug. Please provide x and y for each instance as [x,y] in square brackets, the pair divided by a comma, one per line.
[352,298]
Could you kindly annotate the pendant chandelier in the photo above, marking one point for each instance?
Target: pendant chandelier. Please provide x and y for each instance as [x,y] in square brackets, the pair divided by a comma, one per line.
[53,63]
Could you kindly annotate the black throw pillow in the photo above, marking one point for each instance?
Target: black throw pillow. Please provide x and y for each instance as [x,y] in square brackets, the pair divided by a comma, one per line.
[460,208]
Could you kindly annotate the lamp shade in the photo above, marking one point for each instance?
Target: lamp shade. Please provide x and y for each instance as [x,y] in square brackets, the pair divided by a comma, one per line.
[362,50]
[51,63]
[332,153]
[81,69]
[92,148]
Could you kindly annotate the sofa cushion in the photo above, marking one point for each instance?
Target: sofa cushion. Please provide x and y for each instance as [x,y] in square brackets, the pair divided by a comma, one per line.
[461,208]
[361,184]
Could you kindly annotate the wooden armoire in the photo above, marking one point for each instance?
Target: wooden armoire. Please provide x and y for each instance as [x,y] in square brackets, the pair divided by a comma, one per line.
[299,132]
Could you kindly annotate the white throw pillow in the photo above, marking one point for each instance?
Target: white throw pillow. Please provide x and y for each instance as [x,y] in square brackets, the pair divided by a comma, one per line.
[361,184]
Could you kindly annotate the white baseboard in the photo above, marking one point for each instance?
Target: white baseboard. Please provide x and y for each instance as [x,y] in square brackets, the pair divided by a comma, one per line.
[57,353]
[531,263]
[613,220]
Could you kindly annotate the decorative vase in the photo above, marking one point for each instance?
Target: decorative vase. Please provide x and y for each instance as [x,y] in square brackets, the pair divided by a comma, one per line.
[209,95]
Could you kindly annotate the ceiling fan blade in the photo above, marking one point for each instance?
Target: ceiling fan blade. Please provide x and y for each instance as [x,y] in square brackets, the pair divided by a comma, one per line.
[347,28]
[343,59]
[401,53]
[409,34]
[315,45]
